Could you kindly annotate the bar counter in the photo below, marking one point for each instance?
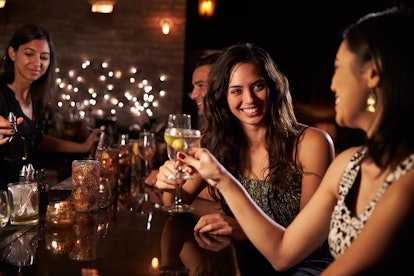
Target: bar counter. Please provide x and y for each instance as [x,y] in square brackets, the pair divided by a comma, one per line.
[126,239]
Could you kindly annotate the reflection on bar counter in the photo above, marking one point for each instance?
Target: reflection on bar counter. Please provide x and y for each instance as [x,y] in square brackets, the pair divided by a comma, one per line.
[125,157]
[132,234]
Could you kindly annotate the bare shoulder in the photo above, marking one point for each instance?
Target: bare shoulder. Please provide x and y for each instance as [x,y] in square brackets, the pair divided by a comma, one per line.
[316,140]
[340,162]
[315,134]
[405,187]
[346,155]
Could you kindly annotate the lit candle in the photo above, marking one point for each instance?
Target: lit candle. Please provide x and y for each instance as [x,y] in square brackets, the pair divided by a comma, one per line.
[154,267]
[60,214]
[85,185]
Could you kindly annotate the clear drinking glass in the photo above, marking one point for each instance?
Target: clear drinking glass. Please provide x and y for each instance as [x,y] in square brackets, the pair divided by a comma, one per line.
[146,148]
[24,202]
[105,192]
[4,208]
[175,122]
[179,140]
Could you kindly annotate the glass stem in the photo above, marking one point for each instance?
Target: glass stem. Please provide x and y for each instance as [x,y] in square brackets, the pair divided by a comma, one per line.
[177,199]
[146,169]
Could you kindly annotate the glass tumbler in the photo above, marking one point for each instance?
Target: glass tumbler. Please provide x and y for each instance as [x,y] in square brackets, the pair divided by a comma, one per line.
[85,185]
[24,202]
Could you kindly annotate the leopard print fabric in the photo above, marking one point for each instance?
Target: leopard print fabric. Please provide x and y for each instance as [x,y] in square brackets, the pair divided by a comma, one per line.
[344,227]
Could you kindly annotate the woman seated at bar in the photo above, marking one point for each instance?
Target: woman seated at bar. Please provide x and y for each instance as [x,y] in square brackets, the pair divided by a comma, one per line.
[365,203]
[249,124]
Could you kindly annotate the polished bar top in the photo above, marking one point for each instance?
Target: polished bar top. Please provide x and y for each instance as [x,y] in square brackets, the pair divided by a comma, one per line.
[123,241]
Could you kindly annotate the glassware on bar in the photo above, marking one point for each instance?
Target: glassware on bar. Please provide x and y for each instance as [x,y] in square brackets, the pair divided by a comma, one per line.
[60,214]
[24,202]
[109,164]
[85,185]
[179,139]
[146,149]
[125,157]
[105,193]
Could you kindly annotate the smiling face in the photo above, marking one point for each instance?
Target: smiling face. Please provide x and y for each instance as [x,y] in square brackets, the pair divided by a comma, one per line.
[31,60]
[351,84]
[199,82]
[248,94]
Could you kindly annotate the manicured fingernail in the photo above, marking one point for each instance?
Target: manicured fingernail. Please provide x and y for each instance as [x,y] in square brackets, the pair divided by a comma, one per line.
[181,155]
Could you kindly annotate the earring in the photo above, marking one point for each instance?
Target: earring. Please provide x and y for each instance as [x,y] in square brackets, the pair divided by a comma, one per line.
[371,101]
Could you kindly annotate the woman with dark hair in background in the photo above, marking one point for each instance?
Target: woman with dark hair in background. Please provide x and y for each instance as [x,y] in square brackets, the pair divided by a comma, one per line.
[26,81]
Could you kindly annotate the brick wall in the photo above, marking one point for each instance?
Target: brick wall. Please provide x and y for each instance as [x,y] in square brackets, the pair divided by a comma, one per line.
[130,36]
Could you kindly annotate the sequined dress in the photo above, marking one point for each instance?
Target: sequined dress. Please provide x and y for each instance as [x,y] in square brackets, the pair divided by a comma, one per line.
[281,207]
[281,202]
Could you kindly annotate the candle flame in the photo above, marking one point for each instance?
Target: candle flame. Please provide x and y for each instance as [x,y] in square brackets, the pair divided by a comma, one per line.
[154,263]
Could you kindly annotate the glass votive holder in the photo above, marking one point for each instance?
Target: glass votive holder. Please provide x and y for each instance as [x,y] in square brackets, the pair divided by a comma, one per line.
[85,185]
[109,158]
[60,214]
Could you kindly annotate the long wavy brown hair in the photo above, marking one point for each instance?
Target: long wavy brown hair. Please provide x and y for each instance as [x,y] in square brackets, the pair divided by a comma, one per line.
[222,133]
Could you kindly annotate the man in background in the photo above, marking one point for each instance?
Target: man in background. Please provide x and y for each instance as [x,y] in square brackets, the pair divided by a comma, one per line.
[199,80]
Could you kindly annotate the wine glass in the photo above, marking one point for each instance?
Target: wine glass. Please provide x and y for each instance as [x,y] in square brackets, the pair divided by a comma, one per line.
[175,121]
[179,140]
[146,148]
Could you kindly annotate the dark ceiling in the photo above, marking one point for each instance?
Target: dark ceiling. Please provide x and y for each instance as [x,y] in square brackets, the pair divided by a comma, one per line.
[301,37]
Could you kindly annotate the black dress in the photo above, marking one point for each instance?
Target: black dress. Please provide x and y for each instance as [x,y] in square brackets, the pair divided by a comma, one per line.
[31,130]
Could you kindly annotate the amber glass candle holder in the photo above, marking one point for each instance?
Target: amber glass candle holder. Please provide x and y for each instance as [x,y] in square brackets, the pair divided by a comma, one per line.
[60,214]
[85,185]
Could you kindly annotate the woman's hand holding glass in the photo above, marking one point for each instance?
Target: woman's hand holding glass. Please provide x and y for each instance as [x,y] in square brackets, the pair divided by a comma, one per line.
[164,182]
[179,137]
[180,140]
[202,161]
[173,137]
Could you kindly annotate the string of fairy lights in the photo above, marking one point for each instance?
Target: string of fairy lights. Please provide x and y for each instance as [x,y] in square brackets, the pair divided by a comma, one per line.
[96,90]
